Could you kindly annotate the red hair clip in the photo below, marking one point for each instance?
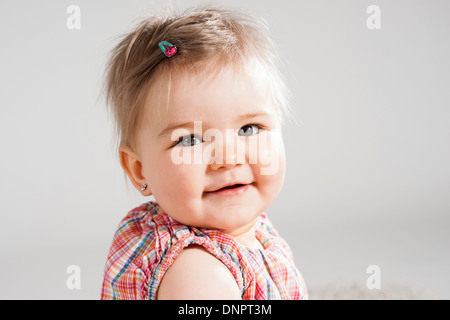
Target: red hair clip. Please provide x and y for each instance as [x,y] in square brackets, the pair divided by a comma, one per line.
[167,48]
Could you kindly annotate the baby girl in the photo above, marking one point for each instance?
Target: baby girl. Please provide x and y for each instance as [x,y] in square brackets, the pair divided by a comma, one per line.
[198,105]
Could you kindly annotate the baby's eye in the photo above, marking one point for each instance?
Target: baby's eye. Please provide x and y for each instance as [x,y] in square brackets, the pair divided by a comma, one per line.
[249,130]
[188,141]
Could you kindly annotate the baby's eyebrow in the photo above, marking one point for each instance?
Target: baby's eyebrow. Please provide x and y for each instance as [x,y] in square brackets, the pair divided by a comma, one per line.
[171,127]
[245,117]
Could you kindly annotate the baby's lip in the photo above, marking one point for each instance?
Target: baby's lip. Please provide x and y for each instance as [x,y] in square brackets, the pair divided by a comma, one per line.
[236,184]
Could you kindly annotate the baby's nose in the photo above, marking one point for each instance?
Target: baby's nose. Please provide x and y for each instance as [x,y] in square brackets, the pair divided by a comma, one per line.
[229,152]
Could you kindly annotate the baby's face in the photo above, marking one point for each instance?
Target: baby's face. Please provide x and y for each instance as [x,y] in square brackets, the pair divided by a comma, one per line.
[230,134]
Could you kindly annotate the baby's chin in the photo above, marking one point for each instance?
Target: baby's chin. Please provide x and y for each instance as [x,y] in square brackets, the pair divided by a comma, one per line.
[230,223]
[229,219]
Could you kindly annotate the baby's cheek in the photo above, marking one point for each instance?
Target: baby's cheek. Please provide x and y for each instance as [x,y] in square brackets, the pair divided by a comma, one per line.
[271,157]
[180,192]
[187,180]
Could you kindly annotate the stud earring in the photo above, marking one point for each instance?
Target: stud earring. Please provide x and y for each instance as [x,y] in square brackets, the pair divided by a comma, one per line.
[144,186]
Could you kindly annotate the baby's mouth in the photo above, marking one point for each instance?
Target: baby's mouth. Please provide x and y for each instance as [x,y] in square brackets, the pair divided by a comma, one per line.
[234,186]
[234,189]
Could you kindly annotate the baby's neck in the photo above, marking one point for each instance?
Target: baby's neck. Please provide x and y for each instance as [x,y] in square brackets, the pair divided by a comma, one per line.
[247,238]
[252,244]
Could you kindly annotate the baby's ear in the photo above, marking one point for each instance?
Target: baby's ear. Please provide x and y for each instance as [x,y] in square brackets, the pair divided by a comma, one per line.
[129,160]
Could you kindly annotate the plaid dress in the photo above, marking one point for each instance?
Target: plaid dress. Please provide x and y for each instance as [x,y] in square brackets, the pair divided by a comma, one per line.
[148,241]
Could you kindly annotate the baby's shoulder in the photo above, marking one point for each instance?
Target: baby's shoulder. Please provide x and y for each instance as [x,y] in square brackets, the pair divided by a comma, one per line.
[150,241]
[144,233]
[145,217]
[208,278]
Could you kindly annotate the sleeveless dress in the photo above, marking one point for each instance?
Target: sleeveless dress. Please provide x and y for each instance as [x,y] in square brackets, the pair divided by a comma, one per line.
[148,241]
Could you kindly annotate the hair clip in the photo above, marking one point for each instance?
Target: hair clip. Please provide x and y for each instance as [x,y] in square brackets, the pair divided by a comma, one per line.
[170,50]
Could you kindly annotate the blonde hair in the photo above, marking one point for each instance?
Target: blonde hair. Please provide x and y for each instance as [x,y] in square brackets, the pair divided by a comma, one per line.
[208,40]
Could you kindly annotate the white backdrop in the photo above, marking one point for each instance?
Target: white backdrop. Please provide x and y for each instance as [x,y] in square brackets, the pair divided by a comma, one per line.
[368,178]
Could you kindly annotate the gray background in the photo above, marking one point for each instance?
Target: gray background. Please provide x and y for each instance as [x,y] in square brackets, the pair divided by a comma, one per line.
[368,178]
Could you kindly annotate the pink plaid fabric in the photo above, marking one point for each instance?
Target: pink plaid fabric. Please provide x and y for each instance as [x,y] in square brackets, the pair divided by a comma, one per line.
[148,241]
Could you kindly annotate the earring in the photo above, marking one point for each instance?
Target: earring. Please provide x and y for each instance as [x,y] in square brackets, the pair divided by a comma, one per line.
[144,186]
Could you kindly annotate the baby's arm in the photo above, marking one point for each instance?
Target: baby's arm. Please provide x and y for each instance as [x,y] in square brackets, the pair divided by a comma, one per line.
[196,274]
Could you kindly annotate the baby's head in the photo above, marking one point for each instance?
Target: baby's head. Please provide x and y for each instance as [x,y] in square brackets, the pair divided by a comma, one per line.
[205,118]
